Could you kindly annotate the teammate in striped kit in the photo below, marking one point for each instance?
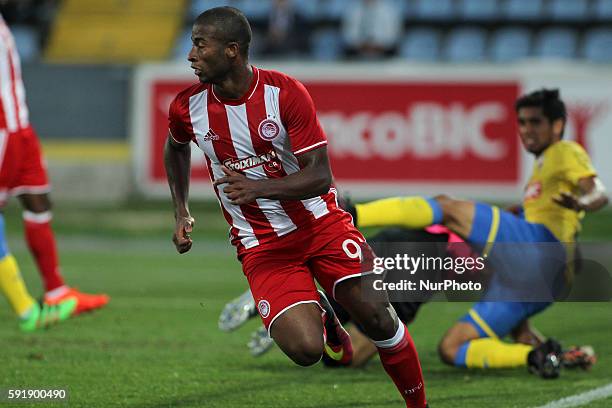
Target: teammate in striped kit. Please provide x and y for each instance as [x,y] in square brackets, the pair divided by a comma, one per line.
[267,157]
[23,174]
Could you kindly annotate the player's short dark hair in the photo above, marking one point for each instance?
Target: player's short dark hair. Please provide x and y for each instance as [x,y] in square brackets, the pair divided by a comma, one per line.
[548,100]
[230,24]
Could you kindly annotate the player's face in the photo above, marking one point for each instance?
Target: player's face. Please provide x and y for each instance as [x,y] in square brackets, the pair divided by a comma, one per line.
[535,130]
[207,56]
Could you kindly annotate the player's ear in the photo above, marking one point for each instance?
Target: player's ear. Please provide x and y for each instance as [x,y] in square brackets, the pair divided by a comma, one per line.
[558,126]
[232,50]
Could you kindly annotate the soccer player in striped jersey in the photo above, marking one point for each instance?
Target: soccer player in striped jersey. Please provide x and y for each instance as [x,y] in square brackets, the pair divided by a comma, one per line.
[267,158]
[23,174]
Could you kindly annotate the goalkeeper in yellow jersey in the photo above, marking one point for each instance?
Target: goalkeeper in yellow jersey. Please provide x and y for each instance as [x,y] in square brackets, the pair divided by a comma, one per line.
[562,188]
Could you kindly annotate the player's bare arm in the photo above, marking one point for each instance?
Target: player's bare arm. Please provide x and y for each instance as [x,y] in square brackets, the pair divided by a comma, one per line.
[514,209]
[592,196]
[312,180]
[177,160]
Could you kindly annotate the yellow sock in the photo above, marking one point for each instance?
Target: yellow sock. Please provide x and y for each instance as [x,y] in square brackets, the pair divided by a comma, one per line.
[11,283]
[410,212]
[494,353]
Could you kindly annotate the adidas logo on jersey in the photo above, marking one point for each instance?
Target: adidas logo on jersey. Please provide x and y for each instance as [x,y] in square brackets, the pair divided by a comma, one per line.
[210,135]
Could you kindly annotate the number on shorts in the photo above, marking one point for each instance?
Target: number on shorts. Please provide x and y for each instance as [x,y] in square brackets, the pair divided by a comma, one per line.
[346,246]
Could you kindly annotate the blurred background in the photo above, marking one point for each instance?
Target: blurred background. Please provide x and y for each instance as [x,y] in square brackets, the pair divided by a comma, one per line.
[415,96]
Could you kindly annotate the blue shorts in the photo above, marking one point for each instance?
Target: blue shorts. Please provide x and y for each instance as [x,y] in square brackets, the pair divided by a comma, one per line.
[527,260]
[498,319]
[492,225]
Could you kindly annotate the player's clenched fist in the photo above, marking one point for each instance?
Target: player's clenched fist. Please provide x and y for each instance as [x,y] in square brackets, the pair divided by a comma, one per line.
[239,189]
[181,238]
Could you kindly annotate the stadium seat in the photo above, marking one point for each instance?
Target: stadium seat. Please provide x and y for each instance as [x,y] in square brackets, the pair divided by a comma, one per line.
[254,9]
[326,45]
[26,40]
[100,7]
[510,44]
[420,44]
[466,45]
[522,9]
[309,10]
[568,9]
[115,31]
[556,43]
[478,9]
[434,10]
[598,45]
[334,9]
[322,9]
[199,6]
[602,9]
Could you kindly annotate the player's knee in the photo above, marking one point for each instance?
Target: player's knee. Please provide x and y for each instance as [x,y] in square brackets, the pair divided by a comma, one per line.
[450,207]
[306,352]
[447,204]
[447,350]
[36,203]
[443,199]
[379,324]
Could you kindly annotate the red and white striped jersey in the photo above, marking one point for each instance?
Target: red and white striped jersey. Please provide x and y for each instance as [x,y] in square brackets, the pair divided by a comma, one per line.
[13,109]
[260,136]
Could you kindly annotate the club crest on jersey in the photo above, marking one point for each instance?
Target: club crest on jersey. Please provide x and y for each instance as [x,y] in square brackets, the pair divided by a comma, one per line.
[264,308]
[268,129]
[533,190]
[268,160]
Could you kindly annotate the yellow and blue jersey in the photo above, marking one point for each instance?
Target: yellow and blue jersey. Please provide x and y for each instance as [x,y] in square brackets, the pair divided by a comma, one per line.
[557,170]
[529,253]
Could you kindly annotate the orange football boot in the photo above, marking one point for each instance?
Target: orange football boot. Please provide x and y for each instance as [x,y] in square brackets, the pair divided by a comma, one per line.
[85,302]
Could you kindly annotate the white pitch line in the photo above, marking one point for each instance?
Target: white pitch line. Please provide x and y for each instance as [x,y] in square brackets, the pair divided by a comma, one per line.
[581,399]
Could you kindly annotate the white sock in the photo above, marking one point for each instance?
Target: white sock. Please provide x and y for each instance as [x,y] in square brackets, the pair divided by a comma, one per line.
[57,292]
[393,341]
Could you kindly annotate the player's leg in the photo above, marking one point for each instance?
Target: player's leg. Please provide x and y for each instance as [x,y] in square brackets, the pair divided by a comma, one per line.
[338,348]
[11,281]
[337,266]
[299,333]
[39,235]
[363,348]
[474,341]
[41,240]
[288,303]
[417,212]
[394,344]
[32,187]
[31,315]
[525,333]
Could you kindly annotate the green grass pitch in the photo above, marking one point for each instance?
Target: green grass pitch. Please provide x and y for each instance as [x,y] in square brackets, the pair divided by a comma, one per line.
[157,343]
